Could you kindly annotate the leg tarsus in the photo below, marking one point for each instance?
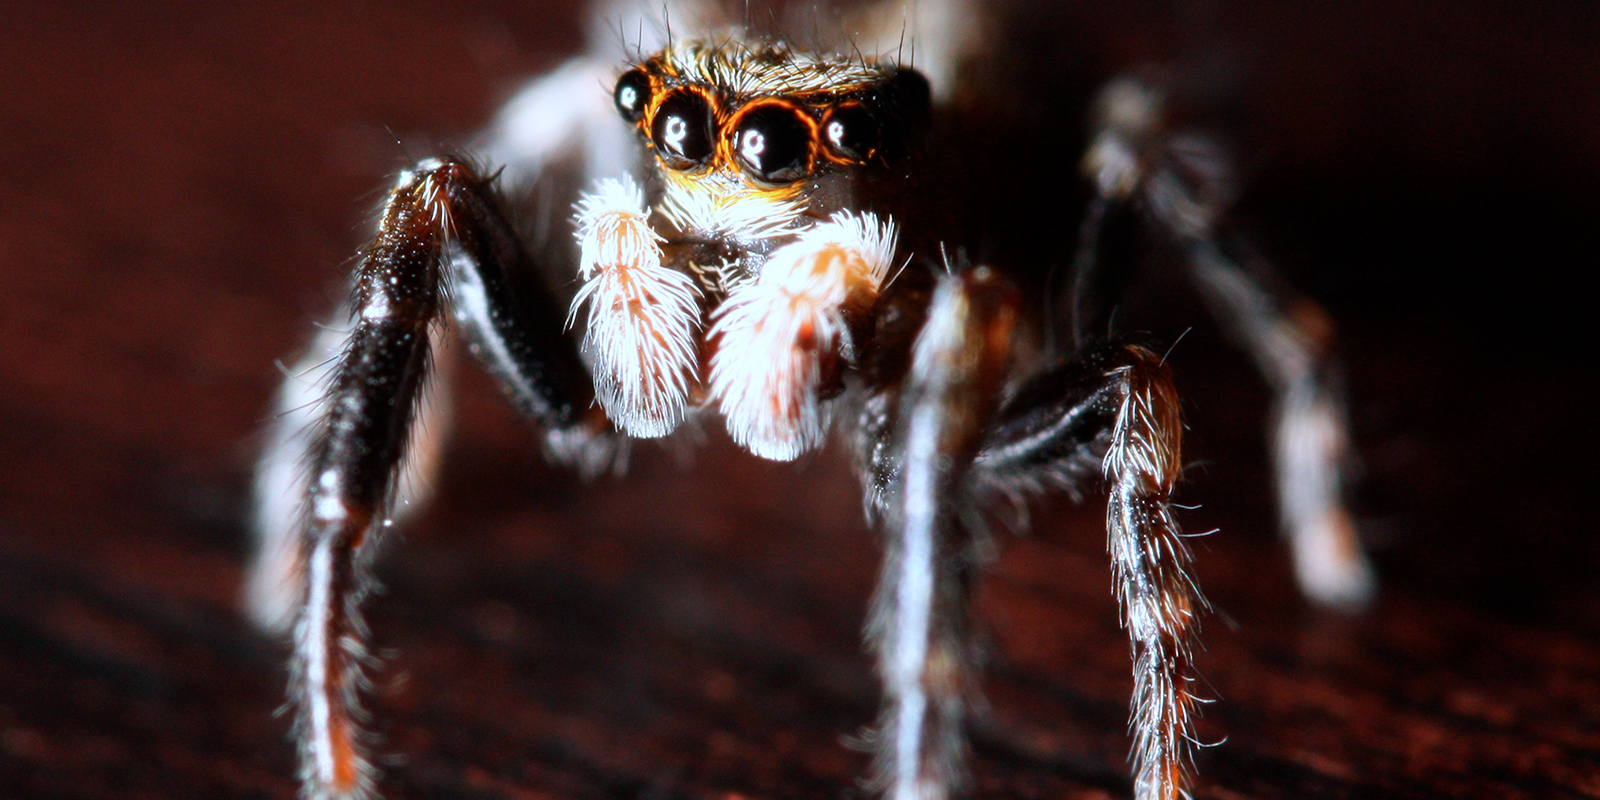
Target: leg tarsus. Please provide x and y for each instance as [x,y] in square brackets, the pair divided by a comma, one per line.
[1312,442]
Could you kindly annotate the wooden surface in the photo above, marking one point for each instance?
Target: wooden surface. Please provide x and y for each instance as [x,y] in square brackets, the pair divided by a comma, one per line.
[182,185]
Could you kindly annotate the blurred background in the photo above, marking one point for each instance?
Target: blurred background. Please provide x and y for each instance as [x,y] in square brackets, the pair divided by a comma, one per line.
[182,186]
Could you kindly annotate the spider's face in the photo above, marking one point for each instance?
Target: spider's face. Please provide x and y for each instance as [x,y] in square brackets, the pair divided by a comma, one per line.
[758,254]
[729,121]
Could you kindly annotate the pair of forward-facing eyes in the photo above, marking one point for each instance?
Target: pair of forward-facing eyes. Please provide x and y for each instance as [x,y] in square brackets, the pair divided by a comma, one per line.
[773,140]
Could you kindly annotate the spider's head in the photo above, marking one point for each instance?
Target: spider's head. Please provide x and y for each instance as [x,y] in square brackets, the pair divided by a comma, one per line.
[730,121]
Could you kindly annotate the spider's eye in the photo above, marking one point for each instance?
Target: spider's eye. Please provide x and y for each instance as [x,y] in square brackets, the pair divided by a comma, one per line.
[632,94]
[773,143]
[851,132]
[682,130]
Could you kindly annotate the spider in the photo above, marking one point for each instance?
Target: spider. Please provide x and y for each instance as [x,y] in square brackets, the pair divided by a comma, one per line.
[766,250]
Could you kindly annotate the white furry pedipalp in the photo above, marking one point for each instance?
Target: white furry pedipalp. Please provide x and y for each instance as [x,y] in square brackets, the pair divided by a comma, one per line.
[776,334]
[640,339]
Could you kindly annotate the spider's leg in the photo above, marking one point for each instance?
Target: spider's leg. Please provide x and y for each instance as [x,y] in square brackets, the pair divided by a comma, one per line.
[1182,185]
[919,619]
[1125,120]
[1113,407]
[1291,339]
[273,579]
[441,234]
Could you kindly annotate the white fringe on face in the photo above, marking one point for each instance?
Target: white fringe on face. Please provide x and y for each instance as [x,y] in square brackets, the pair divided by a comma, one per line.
[776,334]
[725,208]
[640,340]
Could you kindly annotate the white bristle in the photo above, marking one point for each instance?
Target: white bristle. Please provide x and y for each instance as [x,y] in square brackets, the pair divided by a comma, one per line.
[775,334]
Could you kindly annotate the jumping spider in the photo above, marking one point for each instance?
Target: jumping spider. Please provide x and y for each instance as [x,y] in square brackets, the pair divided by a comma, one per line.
[771,259]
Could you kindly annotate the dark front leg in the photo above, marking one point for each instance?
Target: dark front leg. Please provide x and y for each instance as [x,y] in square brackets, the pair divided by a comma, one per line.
[442,238]
[353,466]
[520,339]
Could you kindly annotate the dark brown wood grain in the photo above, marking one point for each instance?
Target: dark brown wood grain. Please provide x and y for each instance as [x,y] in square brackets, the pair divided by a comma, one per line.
[182,186]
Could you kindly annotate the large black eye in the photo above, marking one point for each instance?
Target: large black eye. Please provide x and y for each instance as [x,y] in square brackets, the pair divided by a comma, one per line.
[851,132]
[632,94]
[773,143]
[682,130]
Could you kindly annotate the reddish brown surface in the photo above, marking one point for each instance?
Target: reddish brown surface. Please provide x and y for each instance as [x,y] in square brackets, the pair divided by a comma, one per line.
[181,185]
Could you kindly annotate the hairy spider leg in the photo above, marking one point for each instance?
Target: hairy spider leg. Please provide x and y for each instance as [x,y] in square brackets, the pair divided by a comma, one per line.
[562,114]
[920,619]
[956,450]
[1179,185]
[272,595]
[442,245]
[1112,409]
[1292,340]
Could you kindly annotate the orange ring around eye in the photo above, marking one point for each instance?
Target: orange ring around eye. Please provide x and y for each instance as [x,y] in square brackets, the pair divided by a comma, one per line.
[869,135]
[768,112]
[690,161]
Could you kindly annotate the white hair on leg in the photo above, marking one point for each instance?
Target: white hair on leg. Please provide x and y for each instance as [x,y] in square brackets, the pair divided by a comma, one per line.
[640,339]
[1149,561]
[1311,438]
[273,580]
[778,334]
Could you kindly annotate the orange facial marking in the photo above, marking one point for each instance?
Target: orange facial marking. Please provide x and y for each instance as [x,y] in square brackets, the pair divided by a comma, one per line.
[812,110]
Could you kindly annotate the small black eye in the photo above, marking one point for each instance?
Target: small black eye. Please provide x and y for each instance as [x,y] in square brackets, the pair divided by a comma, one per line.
[632,94]
[774,144]
[682,130]
[851,132]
